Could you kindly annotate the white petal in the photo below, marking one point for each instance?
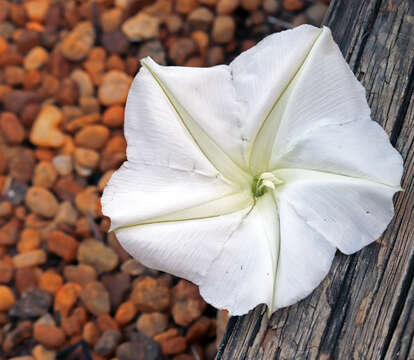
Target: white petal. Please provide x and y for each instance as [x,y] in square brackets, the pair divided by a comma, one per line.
[347,212]
[166,172]
[262,74]
[230,257]
[206,100]
[305,258]
[324,122]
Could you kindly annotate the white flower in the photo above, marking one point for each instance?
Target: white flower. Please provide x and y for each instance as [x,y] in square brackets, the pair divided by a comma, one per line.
[244,179]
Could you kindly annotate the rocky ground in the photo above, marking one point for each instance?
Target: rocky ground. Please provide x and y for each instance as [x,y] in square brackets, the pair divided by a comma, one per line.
[66,286]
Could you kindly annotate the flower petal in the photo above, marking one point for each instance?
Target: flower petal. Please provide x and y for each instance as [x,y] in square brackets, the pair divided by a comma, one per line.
[305,258]
[166,172]
[347,212]
[325,122]
[205,100]
[227,256]
[261,75]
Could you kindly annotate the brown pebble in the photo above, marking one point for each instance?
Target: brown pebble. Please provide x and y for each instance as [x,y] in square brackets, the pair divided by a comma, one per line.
[150,294]
[92,136]
[41,201]
[96,254]
[198,330]
[293,5]
[77,44]
[125,313]
[223,29]
[152,323]
[113,116]
[63,245]
[29,240]
[45,130]
[91,333]
[6,271]
[7,298]
[187,304]
[11,128]
[44,175]
[31,258]
[81,274]
[66,298]
[49,335]
[186,6]
[96,298]
[50,282]
[114,88]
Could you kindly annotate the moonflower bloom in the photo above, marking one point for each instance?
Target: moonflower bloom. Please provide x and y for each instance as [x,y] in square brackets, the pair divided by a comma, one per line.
[245,179]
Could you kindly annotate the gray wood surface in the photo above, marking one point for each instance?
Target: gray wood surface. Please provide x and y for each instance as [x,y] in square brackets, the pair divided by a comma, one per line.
[364,308]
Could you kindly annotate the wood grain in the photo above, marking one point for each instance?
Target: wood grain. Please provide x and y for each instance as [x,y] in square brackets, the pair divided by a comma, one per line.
[364,308]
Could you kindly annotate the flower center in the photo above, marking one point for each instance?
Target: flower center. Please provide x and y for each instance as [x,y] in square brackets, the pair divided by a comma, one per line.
[265,181]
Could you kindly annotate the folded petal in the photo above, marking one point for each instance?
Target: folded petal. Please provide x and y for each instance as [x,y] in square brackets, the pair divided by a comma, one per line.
[166,171]
[349,213]
[261,75]
[305,258]
[324,122]
[206,101]
[228,256]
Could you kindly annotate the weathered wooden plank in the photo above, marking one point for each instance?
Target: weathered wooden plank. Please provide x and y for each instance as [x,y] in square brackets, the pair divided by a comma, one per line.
[364,308]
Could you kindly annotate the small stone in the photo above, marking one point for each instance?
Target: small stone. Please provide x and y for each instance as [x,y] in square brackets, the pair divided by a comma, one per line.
[24,357]
[72,325]
[92,137]
[35,58]
[125,313]
[107,343]
[198,330]
[181,50]
[96,298]
[8,232]
[111,19]
[45,174]
[133,267]
[6,271]
[155,50]
[174,23]
[30,258]
[223,29]
[87,202]
[77,44]
[187,304]
[141,27]
[84,82]
[66,215]
[14,75]
[41,201]
[250,5]
[201,18]
[39,352]
[45,130]
[66,298]
[11,128]
[97,255]
[81,274]
[115,42]
[36,10]
[86,157]
[186,6]
[49,335]
[26,278]
[271,6]
[315,13]
[221,324]
[68,92]
[293,5]
[89,105]
[174,345]
[227,7]
[113,116]
[6,208]
[114,88]
[63,164]
[141,348]
[152,323]
[118,284]
[62,245]
[32,304]
[7,298]
[50,282]
[150,294]
[91,333]
[21,168]
[29,240]
[13,338]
